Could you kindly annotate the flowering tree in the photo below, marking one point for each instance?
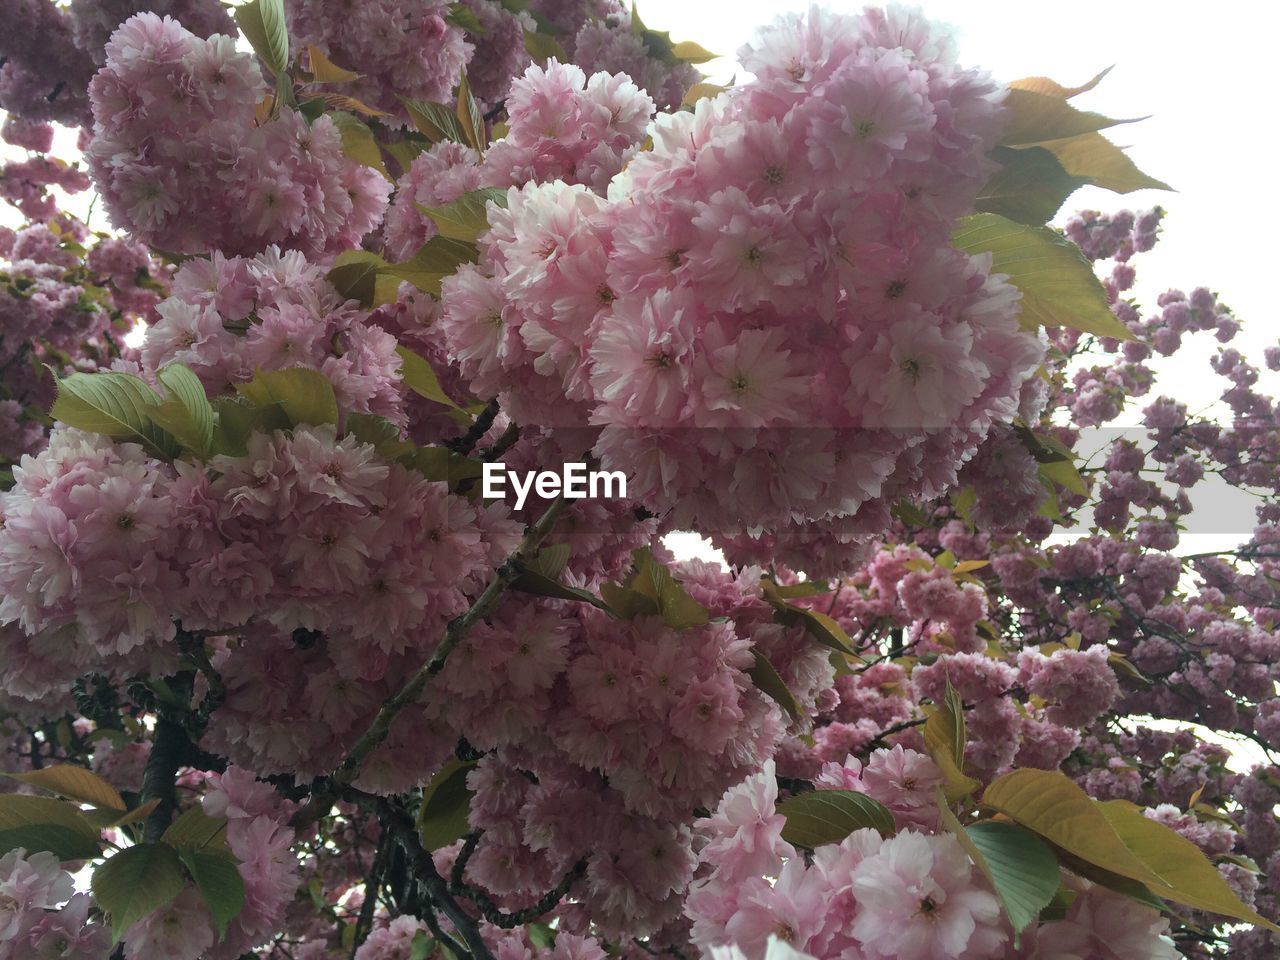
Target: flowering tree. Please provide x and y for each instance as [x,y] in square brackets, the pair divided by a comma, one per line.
[280,678]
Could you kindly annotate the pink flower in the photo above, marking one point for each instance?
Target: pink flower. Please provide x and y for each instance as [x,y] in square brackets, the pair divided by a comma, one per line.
[919,898]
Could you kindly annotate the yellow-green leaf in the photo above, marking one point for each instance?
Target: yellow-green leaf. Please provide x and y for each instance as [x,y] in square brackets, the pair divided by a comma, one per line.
[117,405]
[1054,89]
[1049,803]
[419,377]
[821,627]
[358,142]
[435,121]
[446,802]
[354,274]
[820,817]
[187,412]
[1059,287]
[691,52]
[675,606]
[263,24]
[136,882]
[438,258]
[1098,161]
[305,395]
[1188,876]
[324,70]
[945,736]
[238,420]
[75,783]
[1034,117]
[1030,186]
[467,217]
[469,117]
[195,830]
[540,46]
[1065,474]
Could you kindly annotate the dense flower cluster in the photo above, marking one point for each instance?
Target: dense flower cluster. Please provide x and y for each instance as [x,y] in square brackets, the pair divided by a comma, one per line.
[561,126]
[181,160]
[693,316]
[406,47]
[752,309]
[229,318]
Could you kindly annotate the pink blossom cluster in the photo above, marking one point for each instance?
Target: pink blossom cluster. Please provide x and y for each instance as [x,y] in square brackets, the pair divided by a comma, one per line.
[230,317]
[305,531]
[405,47]
[912,896]
[182,161]
[561,126]
[41,915]
[43,74]
[64,306]
[94,21]
[499,52]
[701,318]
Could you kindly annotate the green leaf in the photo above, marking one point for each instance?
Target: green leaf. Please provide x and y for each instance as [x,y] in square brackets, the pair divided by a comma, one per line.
[421,946]
[305,395]
[186,412]
[442,818]
[541,46]
[464,19]
[1030,186]
[323,70]
[358,142]
[136,882]
[550,560]
[419,377]
[468,216]
[1065,474]
[828,816]
[691,52]
[118,405]
[64,843]
[820,626]
[470,119]
[354,275]
[406,151]
[379,433]
[436,259]
[237,420]
[19,810]
[220,883]
[442,464]
[541,585]
[74,783]
[435,121]
[1034,117]
[1059,288]
[195,830]
[1053,88]
[945,736]
[541,936]
[1023,871]
[768,681]
[1049,803]
[674,605]
[1098,161]
[1187,875]
[263,24]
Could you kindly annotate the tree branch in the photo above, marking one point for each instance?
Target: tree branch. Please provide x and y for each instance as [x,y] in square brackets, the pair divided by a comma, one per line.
[347,772]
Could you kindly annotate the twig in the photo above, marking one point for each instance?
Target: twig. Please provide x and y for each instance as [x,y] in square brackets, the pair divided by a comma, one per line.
[346,773]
